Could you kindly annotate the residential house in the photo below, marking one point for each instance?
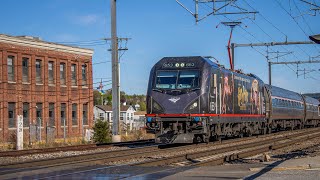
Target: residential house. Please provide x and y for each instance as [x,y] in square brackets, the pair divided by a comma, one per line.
[104,112]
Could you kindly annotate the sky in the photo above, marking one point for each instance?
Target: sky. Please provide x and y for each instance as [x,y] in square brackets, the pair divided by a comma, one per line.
[162,28]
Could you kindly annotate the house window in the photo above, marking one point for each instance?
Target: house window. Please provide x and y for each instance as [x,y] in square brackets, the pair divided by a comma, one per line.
[25,70]
[25,114]
[63,73]
[84,75]
[73,75]
[101,116]
[74,114]
[85,114]
[51,114]
[38,72]
[11,68]
[63,115]
[51,72]
[11,114]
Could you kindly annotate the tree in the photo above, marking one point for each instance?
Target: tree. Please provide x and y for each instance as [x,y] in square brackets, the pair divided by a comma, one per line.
[143,106]
[96,97]
[101,132]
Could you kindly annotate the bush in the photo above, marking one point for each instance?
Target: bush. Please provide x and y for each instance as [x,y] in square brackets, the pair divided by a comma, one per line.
[101,132]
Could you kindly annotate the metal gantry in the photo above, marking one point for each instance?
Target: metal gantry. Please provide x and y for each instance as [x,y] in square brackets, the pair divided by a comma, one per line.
[234,45]
[219,7]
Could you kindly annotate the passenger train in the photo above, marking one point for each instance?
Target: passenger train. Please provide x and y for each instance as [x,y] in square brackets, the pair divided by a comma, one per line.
[192,99]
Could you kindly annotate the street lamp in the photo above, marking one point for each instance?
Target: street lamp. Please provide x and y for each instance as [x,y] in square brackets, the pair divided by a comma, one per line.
[315,38]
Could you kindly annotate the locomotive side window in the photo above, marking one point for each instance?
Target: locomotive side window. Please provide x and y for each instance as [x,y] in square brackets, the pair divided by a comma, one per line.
[319,110]
[166,79]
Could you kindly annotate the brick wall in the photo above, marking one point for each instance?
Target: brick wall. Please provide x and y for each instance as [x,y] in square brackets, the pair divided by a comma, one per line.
[20,92]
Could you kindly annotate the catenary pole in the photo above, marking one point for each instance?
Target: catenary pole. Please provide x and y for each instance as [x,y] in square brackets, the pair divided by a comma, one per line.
[115,77]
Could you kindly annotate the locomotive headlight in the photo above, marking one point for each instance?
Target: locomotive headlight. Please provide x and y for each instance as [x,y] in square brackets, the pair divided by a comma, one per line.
[156,108]
[194,105]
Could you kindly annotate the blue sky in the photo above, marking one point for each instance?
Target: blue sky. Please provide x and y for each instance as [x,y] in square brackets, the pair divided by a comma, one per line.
[161,28]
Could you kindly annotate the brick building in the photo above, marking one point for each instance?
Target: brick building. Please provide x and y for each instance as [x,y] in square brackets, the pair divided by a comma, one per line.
[45,82]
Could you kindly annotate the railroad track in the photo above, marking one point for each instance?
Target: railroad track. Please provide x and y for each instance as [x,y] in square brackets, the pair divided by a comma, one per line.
[90,162]
[84,147]
[224,154]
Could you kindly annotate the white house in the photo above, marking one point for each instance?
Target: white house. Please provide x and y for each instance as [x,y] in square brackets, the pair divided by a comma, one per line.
[104,112]
[139,120]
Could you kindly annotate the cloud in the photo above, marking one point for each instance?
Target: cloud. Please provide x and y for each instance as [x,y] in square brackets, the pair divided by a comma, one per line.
[86,20]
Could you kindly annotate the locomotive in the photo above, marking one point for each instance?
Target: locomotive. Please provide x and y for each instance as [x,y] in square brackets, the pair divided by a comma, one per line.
[192,99]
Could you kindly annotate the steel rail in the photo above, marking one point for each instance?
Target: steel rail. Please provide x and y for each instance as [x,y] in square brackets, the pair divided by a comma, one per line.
[83,147]
[192,156]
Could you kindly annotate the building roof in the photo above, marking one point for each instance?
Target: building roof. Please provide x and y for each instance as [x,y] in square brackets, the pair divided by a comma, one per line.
[109,108]
[140,113]
[36,42]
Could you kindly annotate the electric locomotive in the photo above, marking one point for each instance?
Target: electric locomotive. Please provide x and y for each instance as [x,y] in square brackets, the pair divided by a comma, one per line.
[192,99]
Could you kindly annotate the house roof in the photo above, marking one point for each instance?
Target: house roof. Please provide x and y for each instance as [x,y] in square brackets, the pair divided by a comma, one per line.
[109,108]
[140,113]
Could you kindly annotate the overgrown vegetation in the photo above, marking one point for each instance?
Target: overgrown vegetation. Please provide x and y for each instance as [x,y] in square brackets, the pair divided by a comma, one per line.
[129,99]
[101,132]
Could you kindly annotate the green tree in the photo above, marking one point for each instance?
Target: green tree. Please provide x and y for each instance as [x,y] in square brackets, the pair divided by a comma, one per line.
[101,132]
[96,97]
[143,106]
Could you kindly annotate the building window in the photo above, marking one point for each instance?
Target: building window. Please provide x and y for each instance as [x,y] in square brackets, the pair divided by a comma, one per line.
[63,115]
[51,72]
[11,68]
[39,114]
[122,115]
[74,115]
[25,69]
[101,116]
[11,114]
[84,75]
[25,113]
[73,75]
[38,71]
[51,114]
[63,73]
[85,114]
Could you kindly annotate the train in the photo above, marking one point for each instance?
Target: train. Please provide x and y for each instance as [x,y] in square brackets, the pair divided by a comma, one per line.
[193,99]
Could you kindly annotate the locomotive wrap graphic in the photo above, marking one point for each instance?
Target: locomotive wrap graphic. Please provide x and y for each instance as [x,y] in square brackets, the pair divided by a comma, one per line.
[192,99]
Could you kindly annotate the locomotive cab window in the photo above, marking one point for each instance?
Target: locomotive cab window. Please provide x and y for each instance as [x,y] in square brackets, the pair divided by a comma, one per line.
[187,79]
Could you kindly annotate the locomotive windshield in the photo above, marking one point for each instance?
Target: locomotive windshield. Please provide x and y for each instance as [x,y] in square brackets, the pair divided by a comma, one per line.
[186,79]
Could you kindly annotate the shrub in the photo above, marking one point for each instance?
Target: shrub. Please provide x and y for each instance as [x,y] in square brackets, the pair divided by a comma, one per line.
[101,132]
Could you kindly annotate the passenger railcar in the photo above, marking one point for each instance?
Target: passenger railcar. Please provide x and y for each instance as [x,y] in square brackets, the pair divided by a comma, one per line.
[192,99]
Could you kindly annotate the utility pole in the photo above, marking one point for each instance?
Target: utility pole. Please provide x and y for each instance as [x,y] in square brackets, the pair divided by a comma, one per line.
[116,137]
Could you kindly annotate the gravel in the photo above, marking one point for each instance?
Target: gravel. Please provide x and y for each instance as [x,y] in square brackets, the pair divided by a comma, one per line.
[33,157]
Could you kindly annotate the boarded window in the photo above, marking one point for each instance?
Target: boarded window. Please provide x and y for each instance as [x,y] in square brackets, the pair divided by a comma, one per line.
[26,112]
[25,70]
[10,67]
[73,75]
[84,75]
[74,114]
[51,72]
[38,71]
[51,114]
[12,114]
[63,114]
[62,73]
[85,114]
[39,114]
